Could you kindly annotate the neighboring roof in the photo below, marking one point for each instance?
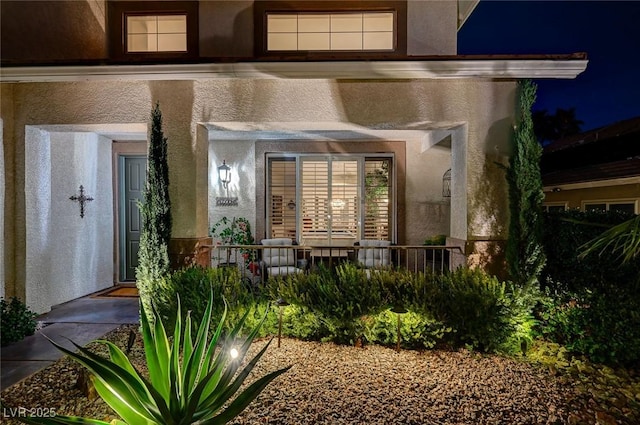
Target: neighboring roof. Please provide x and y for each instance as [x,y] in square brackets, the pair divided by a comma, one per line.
[605,153]
[611,131]
[611,170]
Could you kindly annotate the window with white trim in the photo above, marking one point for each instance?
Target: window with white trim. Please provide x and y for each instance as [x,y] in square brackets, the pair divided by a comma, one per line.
[554,206]
[156,33]
[344,31]
[627,206]
[333,200]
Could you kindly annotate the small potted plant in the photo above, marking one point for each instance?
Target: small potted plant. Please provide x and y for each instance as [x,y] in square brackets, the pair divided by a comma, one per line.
[235,231]
[437,256]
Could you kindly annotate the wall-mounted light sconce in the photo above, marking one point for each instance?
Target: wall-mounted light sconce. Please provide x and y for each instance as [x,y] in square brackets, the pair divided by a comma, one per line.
[446,184]
[224,174]
[291,204]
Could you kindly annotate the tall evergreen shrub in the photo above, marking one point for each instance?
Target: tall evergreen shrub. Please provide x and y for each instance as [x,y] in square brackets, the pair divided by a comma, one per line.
[153,253]
[525,254]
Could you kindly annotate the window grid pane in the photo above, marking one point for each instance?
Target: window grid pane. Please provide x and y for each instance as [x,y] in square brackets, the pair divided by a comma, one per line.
[156,33]
[349,31]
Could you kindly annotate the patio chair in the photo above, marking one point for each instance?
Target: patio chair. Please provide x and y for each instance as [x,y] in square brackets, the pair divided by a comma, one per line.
[279,261]
[375,255]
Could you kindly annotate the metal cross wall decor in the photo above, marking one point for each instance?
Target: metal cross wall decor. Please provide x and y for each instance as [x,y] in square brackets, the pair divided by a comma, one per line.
[82,199]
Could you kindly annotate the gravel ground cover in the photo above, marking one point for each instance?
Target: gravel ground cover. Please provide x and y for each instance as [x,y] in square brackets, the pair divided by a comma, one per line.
[331,384]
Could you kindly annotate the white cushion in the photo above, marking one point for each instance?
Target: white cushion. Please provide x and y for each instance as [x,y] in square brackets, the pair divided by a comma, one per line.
[373,257]
[282,271]
[275,257]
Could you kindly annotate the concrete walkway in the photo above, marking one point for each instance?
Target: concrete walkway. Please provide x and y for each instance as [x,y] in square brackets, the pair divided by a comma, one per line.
[82,321]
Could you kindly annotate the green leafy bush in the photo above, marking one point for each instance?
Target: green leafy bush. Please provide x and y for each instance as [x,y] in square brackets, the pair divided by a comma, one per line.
[592,303]
[436,240]
[338,298]
[463,308]
[416,329]
[193,284]
[602,326]
[17,321]
[564,233]
[190,380]
[484,313]
[466,307]
[155,213]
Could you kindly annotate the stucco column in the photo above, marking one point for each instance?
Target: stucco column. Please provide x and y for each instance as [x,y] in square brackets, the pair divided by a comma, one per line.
[187,158]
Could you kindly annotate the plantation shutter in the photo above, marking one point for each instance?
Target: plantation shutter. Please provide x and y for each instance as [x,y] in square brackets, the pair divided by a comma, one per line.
[315,199]
[344,202]
[377,202]
[282,209]
[329,200]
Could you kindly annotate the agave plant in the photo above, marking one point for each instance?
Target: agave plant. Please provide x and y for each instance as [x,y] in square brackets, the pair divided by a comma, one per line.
[190,380]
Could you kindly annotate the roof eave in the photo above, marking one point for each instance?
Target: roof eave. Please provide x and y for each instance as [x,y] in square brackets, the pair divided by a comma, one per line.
[496,69]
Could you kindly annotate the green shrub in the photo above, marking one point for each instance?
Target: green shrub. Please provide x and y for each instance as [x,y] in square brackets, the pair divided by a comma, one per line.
[155,213]
[602,326]
[564,233]
[193,284]
[484,313]
[465,307]
[17,321]
[592,303]
[416,330]
[337,297]
[436,240]
[298,322]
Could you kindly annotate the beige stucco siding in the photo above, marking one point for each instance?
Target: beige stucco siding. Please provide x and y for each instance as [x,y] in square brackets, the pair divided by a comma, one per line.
[76,30]
[485,108]
[573,198]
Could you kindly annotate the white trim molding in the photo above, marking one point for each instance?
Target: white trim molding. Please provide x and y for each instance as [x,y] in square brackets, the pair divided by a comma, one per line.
[596,183]
[507,69]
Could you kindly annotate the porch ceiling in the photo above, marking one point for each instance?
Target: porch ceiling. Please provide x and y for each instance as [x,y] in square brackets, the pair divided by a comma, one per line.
[497,69]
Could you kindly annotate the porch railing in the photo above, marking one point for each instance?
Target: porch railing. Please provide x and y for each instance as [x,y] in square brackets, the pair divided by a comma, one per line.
[249,259]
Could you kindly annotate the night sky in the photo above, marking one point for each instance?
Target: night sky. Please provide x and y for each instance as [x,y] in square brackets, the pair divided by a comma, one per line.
[608,31]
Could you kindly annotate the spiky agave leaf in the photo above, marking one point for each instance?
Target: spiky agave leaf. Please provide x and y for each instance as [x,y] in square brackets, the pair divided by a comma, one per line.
[192,387]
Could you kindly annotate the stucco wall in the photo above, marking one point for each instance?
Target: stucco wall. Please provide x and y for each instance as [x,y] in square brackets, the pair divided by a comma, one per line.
[575,197]
[75,30]
[8,204]
[484,107]
[46,31]
[67,255]
[432,27]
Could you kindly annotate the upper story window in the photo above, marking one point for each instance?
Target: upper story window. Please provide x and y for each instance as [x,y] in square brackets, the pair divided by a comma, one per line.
[153,30]
[156,33]
[331,28]
[350,31]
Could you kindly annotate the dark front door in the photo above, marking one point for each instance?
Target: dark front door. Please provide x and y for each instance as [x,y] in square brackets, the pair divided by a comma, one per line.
[133,174]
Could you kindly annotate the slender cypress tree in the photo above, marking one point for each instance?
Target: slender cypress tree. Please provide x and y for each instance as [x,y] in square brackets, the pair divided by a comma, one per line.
[155,211]
[525,255]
